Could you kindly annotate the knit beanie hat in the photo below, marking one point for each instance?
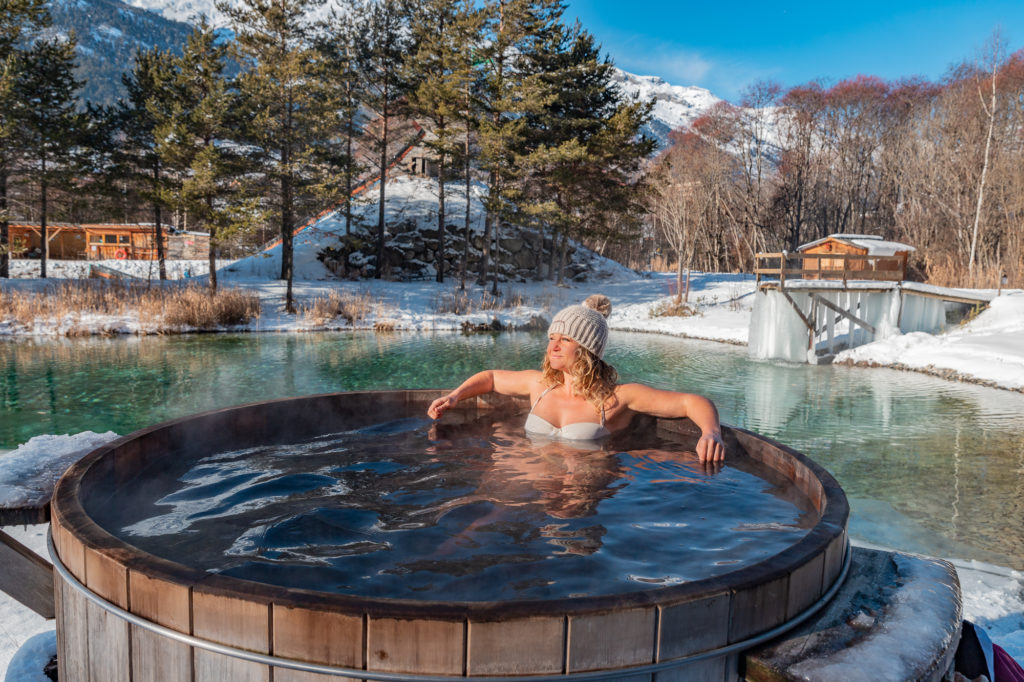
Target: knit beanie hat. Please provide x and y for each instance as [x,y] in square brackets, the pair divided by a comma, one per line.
[585,323]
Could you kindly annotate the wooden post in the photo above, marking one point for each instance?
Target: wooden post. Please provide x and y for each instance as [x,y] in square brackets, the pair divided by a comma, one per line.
[26,576]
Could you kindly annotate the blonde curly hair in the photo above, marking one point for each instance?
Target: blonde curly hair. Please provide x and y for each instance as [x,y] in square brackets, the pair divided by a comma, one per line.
[594,380]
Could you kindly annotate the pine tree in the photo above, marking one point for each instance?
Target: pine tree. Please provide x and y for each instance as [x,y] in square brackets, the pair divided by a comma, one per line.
[508,92]
[20,20]
[441,70]
[342,83]
[190,134]
[585,147]
[52,127]
[282,106]
[149,100]
[384,48]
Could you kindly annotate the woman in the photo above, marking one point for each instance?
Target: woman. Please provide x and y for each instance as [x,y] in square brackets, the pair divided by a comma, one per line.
[576,395]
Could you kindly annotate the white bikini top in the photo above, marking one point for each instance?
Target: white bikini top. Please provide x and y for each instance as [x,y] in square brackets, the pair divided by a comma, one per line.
[578,431]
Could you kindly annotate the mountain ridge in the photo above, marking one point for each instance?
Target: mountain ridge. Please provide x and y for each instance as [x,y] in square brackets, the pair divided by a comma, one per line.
[109,33]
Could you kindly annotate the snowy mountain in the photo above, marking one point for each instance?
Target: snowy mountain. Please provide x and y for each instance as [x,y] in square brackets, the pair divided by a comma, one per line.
[674,105]
[109,33]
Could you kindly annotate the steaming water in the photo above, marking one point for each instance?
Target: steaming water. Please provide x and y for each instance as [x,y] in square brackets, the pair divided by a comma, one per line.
[930,466]
[469,512]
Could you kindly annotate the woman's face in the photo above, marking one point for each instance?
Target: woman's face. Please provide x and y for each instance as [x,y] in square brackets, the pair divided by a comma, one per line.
[561,352]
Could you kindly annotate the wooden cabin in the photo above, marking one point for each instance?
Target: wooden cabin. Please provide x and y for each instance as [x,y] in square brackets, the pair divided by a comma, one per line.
[103,241]
[856,256]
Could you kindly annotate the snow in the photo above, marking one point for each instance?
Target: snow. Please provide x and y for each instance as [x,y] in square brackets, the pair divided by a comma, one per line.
[29,473]
[27,664]
[988,349]
[875,246]
[916,613]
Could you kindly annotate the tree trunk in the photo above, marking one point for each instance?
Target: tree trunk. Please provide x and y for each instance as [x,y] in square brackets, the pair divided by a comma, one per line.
[213,246]
[561,257]
[485,256]
[287,272]
[991,111]
[5,235]
[679,279]
[383,180]
[497,254]
[465,244]
[439,259]
[45,248]
[157,216]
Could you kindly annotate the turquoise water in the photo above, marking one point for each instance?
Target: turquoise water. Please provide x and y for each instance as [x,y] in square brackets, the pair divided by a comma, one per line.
[929,465]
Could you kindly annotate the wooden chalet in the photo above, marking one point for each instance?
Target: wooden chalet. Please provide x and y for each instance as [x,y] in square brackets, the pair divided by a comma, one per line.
[105,241]
[856,256]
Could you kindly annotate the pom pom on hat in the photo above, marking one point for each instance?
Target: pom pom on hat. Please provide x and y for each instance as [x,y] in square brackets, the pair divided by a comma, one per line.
[600,303]
[585,324]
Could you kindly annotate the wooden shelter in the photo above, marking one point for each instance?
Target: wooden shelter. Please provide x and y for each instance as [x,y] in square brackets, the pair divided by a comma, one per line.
[855,256]
[105,241]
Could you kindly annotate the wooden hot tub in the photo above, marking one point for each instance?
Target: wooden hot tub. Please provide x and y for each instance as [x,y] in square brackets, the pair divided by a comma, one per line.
[124,614]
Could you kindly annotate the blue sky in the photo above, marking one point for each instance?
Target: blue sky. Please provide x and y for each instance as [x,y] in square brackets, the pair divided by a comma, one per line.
[726,45]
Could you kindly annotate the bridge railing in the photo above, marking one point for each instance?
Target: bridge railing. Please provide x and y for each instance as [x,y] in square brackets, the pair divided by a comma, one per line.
[832,266]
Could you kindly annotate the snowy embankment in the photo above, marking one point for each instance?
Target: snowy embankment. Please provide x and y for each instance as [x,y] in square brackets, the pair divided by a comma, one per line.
[988,349]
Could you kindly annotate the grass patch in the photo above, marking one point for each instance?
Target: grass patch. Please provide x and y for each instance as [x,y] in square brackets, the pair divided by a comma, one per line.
[670,308]
[352,307]
[166,308]
[464,303]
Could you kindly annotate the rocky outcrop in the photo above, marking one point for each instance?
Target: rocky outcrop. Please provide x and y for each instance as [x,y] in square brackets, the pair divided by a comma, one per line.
[410,253]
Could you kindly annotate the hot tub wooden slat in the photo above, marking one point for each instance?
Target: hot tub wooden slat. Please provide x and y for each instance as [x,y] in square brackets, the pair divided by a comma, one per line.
[71,552]
[422,646]
[158,659]
[517,647]
[834,555]
[232,621]
[612,640]
[106,577]
[72,635]
[160,601]
[758,608]
[805,585]
[320,636]
[694,626]
[108,646]
[212,667]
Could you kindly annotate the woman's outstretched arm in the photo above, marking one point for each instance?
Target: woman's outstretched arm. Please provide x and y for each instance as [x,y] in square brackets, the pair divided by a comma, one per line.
[700,410]
[490,380]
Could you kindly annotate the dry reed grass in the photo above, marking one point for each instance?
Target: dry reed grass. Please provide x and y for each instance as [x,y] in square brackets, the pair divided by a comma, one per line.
[166,308]
[464,302]
[949,272]
[673,309]
[352,307]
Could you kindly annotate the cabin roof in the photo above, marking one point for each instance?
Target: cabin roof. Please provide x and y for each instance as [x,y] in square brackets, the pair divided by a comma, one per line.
[873,244]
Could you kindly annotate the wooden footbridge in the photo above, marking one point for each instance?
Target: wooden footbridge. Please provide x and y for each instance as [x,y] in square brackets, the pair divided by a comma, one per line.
[810,306]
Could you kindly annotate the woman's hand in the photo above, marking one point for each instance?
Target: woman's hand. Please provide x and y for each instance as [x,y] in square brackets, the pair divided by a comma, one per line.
[441,405]
[710,447]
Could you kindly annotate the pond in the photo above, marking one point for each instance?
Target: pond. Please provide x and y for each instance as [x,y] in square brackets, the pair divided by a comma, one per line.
[929,466]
